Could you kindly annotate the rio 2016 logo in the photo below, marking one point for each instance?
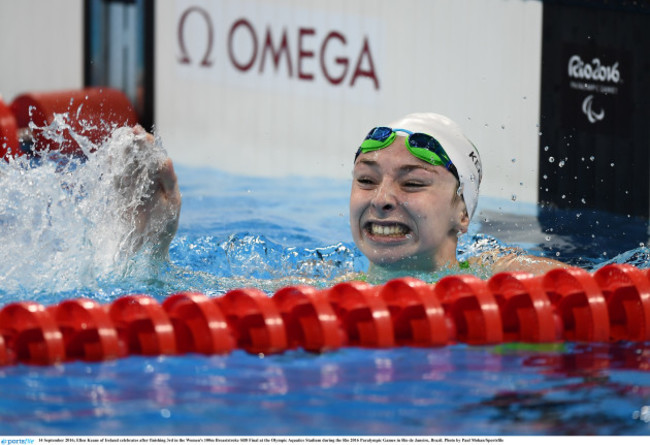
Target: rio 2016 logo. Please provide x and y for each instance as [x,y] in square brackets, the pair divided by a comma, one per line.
[594,71]
[593,77]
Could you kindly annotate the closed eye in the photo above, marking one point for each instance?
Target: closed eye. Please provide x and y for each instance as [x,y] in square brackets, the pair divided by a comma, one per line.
[415,184]
[365,181]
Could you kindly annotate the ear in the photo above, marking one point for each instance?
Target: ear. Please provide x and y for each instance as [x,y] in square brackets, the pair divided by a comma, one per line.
[462,222]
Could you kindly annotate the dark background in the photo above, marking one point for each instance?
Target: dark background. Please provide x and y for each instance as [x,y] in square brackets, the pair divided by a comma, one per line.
[615,32]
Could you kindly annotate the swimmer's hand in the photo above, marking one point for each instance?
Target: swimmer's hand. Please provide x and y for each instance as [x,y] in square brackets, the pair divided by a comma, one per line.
[158,208]
[515,260]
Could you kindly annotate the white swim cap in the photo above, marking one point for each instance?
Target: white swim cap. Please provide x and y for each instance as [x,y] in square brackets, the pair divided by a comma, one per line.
[461,151]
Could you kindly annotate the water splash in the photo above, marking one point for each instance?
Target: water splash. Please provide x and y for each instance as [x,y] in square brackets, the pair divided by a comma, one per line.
[639,257]
[69,223]
[252,260]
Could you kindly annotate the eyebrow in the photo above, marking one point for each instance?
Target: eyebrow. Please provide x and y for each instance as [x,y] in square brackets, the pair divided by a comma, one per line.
[410,167]
[403,169]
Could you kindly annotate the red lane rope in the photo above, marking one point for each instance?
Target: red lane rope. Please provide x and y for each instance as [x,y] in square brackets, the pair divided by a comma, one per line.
[611,304]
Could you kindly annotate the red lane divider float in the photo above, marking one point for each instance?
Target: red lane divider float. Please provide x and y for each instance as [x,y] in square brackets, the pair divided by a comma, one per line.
[31,334]
[199,325]
[309,318]
[526,310]
[92,113]
[105,108]
[364,316]
[579,303]
[627,292]
[8,131]
[418,317]
[142,325]
[88,332]
[255,321]
[611,304]
[472,309]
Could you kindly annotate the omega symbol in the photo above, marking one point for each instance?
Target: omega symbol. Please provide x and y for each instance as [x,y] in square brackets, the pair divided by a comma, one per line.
[185,58]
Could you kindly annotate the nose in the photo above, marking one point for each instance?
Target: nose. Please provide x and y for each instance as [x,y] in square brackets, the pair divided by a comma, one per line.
[385,198]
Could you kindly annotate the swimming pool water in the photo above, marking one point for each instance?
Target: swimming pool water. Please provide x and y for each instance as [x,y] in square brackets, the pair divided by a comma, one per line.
[446,391]
[237,231]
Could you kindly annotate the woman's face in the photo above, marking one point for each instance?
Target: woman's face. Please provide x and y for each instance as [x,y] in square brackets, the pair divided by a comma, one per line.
[403,214]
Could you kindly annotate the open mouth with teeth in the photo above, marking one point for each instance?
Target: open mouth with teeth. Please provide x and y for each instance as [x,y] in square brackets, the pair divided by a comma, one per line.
[392,230]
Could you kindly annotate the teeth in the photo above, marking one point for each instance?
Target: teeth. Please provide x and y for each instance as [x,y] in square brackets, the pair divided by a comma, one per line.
[393,230]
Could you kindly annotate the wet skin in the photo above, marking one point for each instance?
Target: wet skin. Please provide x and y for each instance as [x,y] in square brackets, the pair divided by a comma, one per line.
[157,216]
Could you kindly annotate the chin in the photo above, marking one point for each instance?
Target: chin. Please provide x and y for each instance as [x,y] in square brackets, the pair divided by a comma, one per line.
[390,262]
[401,262]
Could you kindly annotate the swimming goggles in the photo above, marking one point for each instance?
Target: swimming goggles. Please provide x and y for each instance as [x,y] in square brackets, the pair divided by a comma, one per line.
[421,145]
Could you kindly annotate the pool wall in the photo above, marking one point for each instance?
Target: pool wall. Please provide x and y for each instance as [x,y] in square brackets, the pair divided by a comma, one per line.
[226,98]
[40,51]
[341,68]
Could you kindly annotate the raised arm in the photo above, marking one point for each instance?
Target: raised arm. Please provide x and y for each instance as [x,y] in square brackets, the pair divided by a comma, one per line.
[157,213]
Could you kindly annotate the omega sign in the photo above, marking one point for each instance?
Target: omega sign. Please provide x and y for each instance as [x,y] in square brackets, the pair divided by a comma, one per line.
[260,47]
[595,91]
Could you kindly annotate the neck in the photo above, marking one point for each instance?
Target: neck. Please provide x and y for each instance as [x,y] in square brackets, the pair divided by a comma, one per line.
[412,267]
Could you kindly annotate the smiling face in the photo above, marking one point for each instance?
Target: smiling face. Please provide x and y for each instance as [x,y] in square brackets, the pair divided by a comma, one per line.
[404,212]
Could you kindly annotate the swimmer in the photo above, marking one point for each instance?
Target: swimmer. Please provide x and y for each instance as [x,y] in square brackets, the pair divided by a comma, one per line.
[157,213]
[415,188]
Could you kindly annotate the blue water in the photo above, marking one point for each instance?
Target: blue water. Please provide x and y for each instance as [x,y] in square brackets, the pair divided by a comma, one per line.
[237,231]
[446,391]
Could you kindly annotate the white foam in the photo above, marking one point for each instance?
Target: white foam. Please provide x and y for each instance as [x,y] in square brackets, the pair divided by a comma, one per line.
[70,225]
